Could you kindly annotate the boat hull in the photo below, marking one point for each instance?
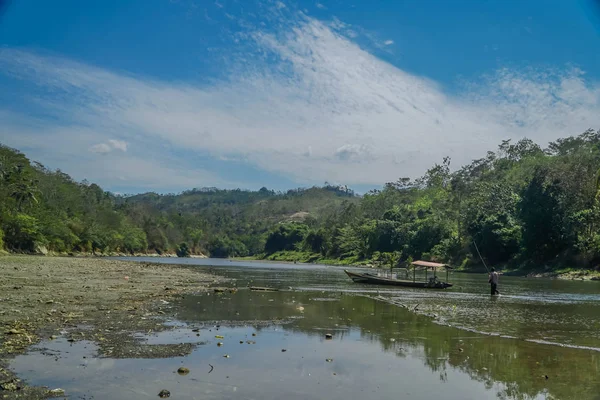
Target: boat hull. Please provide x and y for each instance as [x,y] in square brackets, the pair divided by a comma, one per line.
[376,280]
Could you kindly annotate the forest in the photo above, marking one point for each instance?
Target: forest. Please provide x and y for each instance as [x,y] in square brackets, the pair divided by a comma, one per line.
[522,205]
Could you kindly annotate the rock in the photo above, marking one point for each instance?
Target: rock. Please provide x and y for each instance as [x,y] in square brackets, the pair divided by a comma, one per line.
[183,371]
[56,392]
[254,334]
[220,344]
[163,394]
[329,336]
[40,250]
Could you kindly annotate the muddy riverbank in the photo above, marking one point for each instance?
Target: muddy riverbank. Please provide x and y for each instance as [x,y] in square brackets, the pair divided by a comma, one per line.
[104,301]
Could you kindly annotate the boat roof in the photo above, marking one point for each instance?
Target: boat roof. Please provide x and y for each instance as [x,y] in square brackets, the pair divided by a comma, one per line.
[429,264]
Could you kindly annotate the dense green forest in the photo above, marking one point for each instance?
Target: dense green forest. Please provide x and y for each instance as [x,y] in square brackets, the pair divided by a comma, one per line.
[523,205]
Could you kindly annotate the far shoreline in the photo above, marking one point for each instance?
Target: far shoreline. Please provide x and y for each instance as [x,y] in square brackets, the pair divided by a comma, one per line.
[545,273]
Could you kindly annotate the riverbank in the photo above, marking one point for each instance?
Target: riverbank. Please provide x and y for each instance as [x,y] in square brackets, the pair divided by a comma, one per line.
[545,272]
[44,252]
[104,301]
[318,339]
[303,257]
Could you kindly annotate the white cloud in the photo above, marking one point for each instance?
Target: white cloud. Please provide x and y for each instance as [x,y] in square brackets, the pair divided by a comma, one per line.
[61,148]
[328,110]
[388,42]
[354,153]
[101,148]
[112,144]
[118,145]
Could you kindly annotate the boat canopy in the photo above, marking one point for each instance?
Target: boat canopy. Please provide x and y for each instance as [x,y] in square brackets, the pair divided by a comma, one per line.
[429,264]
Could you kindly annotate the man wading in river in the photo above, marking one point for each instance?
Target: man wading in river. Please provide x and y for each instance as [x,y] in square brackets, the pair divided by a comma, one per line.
[493,281]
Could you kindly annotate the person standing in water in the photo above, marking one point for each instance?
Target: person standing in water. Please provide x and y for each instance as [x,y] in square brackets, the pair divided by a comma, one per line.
[493,281]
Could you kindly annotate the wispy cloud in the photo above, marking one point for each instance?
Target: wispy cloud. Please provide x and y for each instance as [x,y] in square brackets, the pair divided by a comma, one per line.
[118,145]
[325,109]
[105,148]
[101,148]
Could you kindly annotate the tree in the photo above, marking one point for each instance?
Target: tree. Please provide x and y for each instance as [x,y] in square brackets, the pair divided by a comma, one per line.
[183,250]
[24,194]
[390,260]
[316,241]
[285,237]
[543,218]
[520,203]
[22,233]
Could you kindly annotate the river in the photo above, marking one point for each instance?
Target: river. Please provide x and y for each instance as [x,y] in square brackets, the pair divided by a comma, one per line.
[539,340]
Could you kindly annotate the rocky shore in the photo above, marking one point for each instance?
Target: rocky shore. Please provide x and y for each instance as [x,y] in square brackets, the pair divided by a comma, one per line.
[105,301]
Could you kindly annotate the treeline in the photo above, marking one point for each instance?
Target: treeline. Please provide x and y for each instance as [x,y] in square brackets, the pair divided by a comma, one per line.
[522,204]
[42,210]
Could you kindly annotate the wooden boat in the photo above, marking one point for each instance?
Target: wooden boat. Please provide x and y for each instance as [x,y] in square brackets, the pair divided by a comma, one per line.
[431,283]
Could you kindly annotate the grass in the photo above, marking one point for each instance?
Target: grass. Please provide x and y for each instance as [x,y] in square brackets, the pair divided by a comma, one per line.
[305,257]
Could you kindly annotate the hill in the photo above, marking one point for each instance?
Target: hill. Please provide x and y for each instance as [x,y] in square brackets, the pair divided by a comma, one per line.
[523,205]
[44,209]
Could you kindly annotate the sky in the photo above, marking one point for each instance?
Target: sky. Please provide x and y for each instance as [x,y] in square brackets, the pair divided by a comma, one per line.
[169,95]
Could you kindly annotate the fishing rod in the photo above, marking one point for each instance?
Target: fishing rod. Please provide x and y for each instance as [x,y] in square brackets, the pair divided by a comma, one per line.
[476,248]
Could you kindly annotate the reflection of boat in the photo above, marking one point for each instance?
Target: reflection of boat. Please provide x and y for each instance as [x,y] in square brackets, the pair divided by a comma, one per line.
[428,283]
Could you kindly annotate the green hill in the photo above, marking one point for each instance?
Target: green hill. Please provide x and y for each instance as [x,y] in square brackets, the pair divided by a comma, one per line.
[45,209]
[522,204]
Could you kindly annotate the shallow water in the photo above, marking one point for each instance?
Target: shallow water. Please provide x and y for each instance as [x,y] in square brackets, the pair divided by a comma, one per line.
[556,311]
[378,349]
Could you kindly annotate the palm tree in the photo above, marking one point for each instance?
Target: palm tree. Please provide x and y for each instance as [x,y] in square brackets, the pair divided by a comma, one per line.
[23,193]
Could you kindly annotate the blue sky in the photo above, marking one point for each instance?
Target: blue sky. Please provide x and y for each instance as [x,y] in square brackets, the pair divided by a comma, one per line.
[166,95]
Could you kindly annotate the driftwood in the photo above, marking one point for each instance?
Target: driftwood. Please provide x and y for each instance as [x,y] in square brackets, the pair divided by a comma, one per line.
[263,289]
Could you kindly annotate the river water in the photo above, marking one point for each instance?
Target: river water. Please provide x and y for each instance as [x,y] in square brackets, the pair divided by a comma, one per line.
[539,340]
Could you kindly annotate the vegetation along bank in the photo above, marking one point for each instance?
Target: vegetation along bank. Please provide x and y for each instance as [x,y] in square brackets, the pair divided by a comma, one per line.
[528,208]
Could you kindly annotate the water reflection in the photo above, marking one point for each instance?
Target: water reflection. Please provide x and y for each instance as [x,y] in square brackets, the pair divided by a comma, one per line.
[542,310]
[377,350]
[516,369]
